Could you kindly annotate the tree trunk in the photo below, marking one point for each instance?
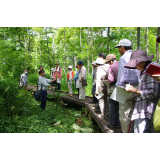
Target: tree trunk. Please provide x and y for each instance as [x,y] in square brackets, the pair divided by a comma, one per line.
[36,58]
[64,55]
[25,49]
[108,47]
[157,48]
[75,63]
[88,50]
[92,45]
[53,51]
[40,44]
[146,40]
[138,37]
[48,52]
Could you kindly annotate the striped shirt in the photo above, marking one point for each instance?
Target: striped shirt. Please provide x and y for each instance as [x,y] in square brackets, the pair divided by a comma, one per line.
[147,101]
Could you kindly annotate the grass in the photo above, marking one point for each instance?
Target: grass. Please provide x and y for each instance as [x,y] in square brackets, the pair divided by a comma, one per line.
[38,121]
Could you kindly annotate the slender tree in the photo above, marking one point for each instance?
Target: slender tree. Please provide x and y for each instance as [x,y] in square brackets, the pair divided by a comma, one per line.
[64,54]
[108,48]
[157,47]
[138,37]
[88,50]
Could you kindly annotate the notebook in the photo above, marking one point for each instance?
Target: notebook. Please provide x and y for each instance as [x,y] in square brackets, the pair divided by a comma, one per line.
[153,70]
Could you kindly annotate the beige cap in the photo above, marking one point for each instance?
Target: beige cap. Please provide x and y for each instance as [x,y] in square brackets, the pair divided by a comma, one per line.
[109,57]
[57,63]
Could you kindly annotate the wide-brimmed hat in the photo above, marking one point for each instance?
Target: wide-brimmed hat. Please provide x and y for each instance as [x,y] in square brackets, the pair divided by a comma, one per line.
[93,63]
[56,63]
[137,57]
[158,39]
[70,66]
[125,43]
[99,61]
[80,63]
[110,57]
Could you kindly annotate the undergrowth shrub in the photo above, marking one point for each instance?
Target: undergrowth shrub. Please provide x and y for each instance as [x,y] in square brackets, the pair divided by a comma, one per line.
[13,102]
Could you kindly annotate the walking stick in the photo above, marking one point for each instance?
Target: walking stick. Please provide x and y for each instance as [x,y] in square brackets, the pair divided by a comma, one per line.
[129,126]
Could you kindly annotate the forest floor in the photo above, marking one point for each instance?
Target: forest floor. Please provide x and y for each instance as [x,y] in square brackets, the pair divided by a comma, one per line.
[55,119]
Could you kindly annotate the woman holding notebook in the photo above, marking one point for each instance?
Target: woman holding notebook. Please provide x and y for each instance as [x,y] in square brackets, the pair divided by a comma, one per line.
[147,93]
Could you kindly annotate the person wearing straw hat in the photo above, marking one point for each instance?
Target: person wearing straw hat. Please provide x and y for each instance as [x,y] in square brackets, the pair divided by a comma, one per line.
[69,79]
[126,76]
[57,76]
[112,79]
[94,85]
[101,91]
[147,93]
[82,75]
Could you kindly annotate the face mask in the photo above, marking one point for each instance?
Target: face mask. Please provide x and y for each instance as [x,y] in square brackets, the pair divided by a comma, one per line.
[26,72]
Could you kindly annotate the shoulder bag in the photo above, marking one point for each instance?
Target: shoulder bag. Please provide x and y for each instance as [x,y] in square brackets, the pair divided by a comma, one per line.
[38,94]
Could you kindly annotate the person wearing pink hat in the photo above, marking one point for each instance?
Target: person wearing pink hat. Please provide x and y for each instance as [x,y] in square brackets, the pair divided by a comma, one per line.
[147,93]
[112,79]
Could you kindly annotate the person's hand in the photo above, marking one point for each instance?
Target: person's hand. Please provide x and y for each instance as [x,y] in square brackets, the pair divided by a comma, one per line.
[130,89]
[157,78]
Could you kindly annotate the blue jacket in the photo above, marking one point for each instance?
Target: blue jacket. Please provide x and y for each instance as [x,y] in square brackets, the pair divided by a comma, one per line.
[76,76]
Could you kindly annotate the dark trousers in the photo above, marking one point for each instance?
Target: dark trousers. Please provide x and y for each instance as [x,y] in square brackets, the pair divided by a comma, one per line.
[78,91]
[113,112]
[56,85]
[44,95]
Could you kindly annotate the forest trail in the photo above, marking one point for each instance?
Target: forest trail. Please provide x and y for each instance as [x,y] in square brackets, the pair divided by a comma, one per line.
[89,108]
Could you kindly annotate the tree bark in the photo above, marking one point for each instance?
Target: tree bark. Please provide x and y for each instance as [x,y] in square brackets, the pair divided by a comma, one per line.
[48,52]
[64,54]
[25,49]
[146,39]
[138,37]
[75,63]
[40,44]
[88,51]
[108,47]
[157,47]
[53,51]
[92,45]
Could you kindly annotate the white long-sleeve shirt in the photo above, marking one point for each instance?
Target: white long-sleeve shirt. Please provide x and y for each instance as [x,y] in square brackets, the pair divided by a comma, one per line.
[100,76]
[44,82]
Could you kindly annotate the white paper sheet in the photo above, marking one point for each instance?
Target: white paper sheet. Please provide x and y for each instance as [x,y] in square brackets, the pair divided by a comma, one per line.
[120,95]
[78,84]
[99,96]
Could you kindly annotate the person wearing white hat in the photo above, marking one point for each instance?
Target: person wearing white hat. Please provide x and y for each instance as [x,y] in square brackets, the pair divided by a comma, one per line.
[126,76]
[70,78]
[100,76]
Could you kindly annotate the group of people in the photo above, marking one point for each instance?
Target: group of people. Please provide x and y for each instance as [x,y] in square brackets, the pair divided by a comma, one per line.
[136,114]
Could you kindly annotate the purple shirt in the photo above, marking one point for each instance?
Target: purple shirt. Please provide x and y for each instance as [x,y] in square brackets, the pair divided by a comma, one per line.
[126,75]
[113,72]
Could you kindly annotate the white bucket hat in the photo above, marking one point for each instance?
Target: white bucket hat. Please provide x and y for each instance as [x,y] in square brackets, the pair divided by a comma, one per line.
[99,61]
[70,66]
[93,63]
